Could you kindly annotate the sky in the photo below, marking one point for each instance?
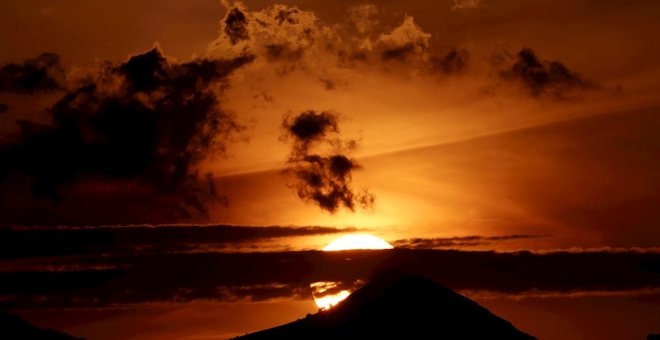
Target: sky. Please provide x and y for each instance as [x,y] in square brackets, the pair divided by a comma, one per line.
[214,136]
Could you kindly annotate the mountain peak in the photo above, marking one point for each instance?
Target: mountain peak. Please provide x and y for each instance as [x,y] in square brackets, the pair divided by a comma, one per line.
[399,305]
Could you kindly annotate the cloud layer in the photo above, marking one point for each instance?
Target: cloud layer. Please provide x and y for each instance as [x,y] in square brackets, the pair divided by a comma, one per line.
[457,242]
[222,276]
[78,242]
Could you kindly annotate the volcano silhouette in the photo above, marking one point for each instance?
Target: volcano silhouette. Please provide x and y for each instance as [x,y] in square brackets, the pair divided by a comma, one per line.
[399,306]
[13,327]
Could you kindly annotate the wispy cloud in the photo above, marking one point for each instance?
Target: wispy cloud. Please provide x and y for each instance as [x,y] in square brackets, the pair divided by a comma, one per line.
[536,294]
[458,242]
[466,4]
[122,240]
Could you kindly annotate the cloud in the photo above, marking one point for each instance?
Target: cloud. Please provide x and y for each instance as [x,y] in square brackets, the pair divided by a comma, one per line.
[454,61]
[545,78]
[309,127]
[277,32]
[457,242]
[405,41]
[466,4]
[180,277]
[234,25]
[287,39]
[41,74]
[323,177]
[23,243]
[141,126]
[535,294]
[298,40]
[362,16]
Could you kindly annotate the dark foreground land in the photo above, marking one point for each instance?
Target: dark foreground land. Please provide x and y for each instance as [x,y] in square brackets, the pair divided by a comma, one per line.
[399,306]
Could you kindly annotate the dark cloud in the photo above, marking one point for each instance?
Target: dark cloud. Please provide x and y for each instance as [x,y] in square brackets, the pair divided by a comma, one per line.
[223,276]
[297,40]
[542,77]
[328,84]
[455,61]
[145,123]
[452,242]
[120,240]
[283,51]
[43,73]
[277,33]
[4,107]
[311,126]
[398,53]
[235,25]
[323,177]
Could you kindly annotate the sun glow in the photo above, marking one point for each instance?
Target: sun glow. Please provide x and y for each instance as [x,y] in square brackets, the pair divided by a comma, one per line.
[329,301]
[357,241]
[327,294]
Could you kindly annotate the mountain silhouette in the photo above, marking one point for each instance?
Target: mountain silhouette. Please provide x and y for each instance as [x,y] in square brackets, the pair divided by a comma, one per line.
[14,328]
[398,306]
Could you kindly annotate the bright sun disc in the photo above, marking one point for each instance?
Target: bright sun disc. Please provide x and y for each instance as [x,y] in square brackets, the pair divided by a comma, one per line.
[329,301]
[359,241]
[328,294]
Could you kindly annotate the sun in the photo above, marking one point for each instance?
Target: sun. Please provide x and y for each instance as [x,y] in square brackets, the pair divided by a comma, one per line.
[328,301]
[357,241]
[328,294]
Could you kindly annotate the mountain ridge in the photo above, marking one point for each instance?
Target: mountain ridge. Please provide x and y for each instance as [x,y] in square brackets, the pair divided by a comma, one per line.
[398,305]
[13,327]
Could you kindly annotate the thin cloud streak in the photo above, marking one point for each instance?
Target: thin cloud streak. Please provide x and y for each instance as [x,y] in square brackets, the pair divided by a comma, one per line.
[458,242]
[485,294]
[222,276]
[122,240]
[651,108]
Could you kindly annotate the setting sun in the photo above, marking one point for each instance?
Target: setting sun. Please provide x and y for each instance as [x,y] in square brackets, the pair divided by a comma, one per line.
[327,294]
[360,241]
[329,301]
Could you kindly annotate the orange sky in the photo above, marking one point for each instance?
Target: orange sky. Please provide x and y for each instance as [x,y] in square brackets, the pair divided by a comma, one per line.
[458,153]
